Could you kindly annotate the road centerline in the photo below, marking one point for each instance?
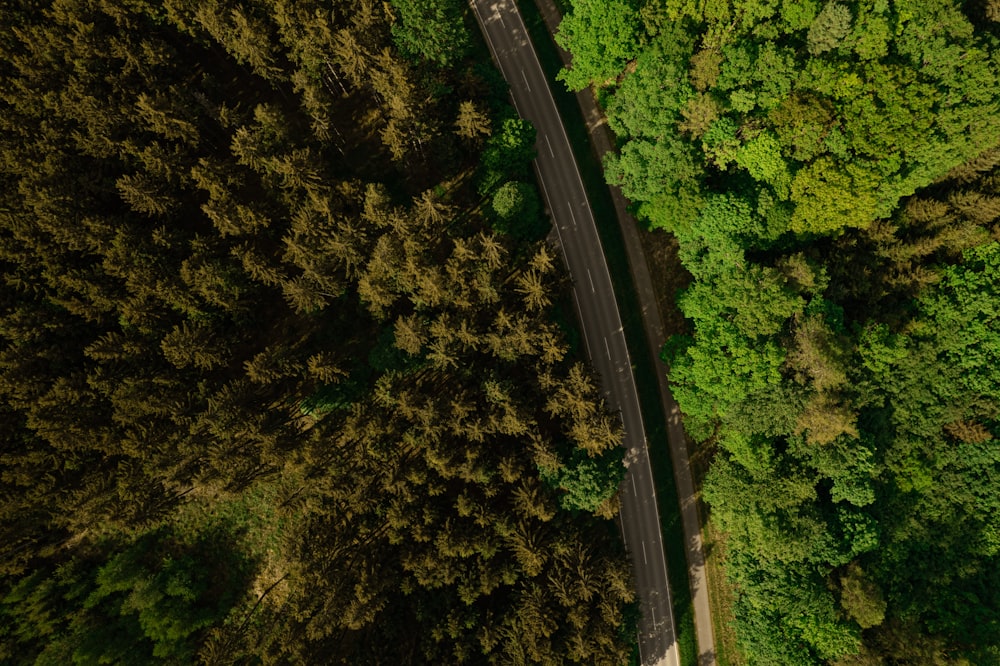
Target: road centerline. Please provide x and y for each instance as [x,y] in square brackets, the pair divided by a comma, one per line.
[598,312]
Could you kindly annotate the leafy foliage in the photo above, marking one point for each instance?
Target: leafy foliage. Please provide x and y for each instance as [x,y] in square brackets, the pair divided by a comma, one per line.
[151,600]
[518,211]
[840,120]
[508,153]
[432,30]
[830,173]
[602,35]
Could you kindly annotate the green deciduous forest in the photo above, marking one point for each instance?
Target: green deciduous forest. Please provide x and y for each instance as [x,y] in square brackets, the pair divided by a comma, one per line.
[831,172]
[286,373]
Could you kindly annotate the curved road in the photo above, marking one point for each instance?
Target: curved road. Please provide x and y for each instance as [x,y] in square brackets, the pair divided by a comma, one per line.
[507,36]
[603,142]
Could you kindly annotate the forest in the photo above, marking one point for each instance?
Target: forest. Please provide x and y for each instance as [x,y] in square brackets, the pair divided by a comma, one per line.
[831,173]
[288,373]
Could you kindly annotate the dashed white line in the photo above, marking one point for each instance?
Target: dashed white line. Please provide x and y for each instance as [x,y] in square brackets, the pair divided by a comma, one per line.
[591,278]
[499,18]
[645,562]
[496,56]
[607,349]
[571,213]
[634,491]
[525,77]
[551,103]
[551,152]
[552,214]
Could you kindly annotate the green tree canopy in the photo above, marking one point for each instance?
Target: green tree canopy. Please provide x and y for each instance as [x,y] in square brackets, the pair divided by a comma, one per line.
[602,36]
[432,29]
[829,172]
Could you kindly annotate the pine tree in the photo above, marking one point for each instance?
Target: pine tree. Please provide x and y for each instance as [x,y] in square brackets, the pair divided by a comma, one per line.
[197,346]
[472,123]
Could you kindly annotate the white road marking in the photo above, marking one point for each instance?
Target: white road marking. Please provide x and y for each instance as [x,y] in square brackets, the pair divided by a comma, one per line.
[645,562]
[551,152]
[496,56]
[607,348]
[591,278]
[586,340]
[571,214]
[548,201]
[634,491]
[525,77]
[551,103]
[499,18]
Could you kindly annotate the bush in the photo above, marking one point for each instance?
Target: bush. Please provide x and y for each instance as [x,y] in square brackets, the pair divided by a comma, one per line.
[517,211]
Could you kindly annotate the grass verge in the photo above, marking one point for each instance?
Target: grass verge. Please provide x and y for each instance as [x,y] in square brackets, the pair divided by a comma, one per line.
[727,651]
[614,250]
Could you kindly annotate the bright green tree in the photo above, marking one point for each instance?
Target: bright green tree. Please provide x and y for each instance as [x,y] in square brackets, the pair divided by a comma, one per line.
[602,35]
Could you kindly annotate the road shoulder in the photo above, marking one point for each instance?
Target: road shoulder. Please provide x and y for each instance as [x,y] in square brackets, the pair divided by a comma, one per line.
[602,142]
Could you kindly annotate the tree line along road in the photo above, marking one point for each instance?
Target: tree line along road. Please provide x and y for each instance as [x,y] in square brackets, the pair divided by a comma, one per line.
[577,236]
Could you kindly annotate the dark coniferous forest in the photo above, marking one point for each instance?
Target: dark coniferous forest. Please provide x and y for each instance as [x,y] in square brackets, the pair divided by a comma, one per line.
[286,368]
[831,172]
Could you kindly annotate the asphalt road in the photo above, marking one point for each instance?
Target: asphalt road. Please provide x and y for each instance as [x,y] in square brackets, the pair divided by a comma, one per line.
[599,318]
[602,142]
